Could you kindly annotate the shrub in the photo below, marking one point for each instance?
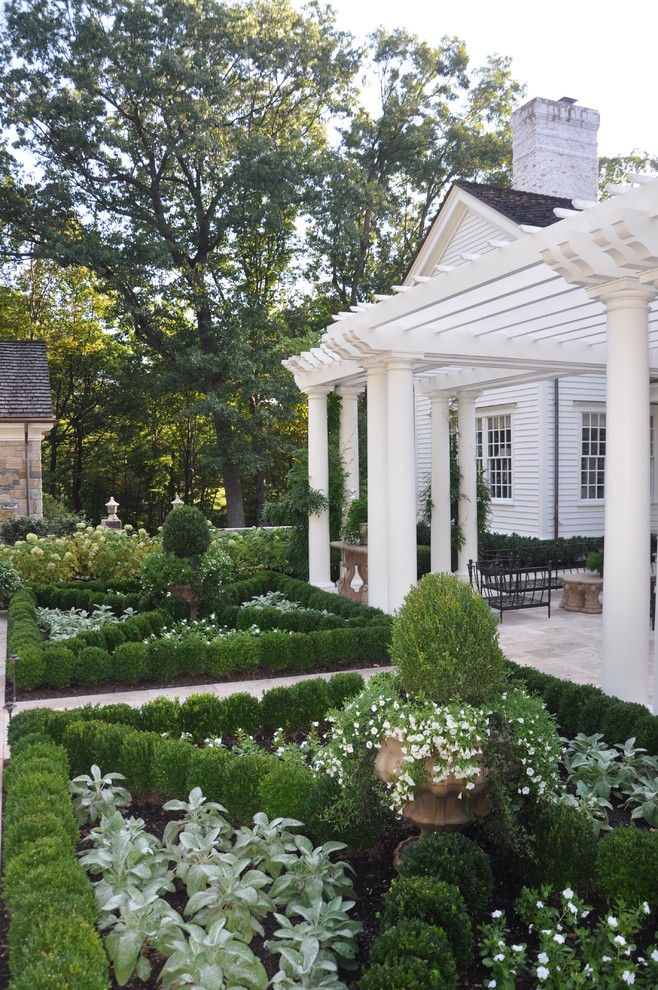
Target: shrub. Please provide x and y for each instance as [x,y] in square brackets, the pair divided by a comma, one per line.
[239,711]
[64,951]
[200,716]
[161,715]
[89,742]
[207,769]
[452,857]
[129,662]
[19,836]
[26,722]
[436,903]
[627,867]
[238,653]
[344,686]
[410,973]
[276,708]
[161,570]
[10,580]
[564,847]
[445,643]
[310,702]
[242,779]
[135,757]
[413,939]
[30,667]
[91,665]
[59,662]
[169,768]
[287,790]
[185,532]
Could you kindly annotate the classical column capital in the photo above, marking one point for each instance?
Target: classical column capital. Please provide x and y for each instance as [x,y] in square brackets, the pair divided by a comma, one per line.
[317,391]
[623,292]
[349,391]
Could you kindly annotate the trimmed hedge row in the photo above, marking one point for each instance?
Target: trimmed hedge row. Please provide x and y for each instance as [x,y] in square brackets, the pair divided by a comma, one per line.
[529,551]
[88,595]
[52,938]
[349,632]
[585,708]
[203,716]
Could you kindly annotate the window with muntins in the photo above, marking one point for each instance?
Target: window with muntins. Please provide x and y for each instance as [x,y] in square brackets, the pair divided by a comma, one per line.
[493,443]
[592,464]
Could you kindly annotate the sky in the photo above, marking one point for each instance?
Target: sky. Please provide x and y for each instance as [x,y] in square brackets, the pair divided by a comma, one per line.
[599,53]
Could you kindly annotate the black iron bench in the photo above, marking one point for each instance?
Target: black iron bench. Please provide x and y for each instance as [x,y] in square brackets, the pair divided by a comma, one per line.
[511,588]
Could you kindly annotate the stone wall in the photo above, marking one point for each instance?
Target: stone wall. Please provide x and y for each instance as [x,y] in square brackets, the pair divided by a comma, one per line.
[13,495]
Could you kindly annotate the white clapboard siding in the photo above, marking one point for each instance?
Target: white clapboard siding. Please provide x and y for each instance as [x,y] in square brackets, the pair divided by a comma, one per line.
[423,445]
[472,236]
[577,395]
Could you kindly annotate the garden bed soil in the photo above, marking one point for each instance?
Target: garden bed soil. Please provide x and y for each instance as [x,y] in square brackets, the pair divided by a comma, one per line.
[182,681]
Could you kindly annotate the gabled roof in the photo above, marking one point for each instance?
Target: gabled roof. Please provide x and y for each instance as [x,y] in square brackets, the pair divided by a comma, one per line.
[24,380]
[533,209]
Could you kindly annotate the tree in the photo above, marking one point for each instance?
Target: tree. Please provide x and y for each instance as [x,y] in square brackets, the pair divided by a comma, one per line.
[616,168]
[174,143]
[383,182]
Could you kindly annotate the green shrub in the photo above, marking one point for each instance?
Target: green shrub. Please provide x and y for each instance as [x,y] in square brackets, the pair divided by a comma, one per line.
[619,721]
[241,782]
[134,759]
[161,660]
[409,973]
[10,580]
[92,665]
[414,939]
[239,653]
[39,744]
[344,686]
[19,836]
[445,643]
[170,766]
[287,790]
[161,715]
[26,722]
[310,702]
[185,532]
[276,708]
[30,667]
[436,903]
[129,662]
[53,764]
[45,851]
[191,656]
[646,733]
[207,769]
[239,711]
[59,663]
[455,858]
[627,867]
[41,804]
[89,742]
[64,952]
[200,715]
[113,636]
[564,847]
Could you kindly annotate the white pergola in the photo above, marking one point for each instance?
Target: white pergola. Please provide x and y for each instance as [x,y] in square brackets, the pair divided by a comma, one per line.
[574,298]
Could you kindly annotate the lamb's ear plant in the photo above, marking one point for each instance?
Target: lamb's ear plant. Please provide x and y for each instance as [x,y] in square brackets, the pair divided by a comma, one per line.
[328,922]
[214,959]
[307,967]
[96,796]
[195,849]
[197,810]
[235,892]
[269,843]
[143,917]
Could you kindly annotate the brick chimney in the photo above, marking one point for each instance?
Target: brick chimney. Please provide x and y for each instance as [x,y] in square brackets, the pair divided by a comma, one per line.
[554,149]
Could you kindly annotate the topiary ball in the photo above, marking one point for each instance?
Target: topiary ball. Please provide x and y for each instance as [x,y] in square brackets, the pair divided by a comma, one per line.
[185,532]
[445,642]
[456,859]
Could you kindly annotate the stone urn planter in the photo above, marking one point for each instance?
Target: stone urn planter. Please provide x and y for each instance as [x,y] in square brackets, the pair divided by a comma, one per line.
[442,807]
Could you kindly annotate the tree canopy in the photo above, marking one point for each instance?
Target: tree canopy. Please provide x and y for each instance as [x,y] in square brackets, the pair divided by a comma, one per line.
[198,159]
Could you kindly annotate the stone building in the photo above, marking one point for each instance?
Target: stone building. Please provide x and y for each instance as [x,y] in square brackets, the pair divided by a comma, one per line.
[26,416]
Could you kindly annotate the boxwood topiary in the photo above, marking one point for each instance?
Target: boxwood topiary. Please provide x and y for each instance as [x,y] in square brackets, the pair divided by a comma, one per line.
[437,903]
[408,973]
[445,643]
[455,858]
[627,867]
[185,532]
[412,938]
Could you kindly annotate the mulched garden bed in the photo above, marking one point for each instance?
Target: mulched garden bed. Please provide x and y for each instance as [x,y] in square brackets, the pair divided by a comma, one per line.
[182,680]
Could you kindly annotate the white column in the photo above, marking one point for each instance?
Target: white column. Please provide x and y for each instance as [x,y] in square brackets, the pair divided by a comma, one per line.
[440,533]
[318,478]
[377,486]
[402,567]
[467,511]
[348,437]
[625,661]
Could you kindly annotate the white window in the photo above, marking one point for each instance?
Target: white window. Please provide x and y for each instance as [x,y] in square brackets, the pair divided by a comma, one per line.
[592,456]
[493,444]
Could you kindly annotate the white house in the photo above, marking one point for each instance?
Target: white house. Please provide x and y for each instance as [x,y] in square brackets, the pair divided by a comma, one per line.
[511,291]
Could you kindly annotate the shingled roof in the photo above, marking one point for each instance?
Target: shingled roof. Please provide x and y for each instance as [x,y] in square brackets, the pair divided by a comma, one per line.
[534,209]
[24,380]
